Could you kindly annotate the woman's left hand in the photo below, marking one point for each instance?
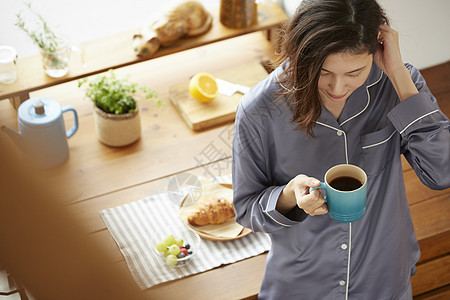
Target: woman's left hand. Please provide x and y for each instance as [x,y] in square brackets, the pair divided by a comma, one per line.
[388,56]
[389,59]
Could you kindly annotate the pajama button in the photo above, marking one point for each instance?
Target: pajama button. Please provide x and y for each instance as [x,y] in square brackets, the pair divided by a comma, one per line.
[344,246]
[342,282]
[339,132]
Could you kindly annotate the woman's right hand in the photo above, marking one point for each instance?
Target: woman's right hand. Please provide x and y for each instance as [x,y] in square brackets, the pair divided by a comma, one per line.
[296,192]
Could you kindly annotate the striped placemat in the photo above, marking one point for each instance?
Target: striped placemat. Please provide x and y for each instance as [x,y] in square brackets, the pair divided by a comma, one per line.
[131,225]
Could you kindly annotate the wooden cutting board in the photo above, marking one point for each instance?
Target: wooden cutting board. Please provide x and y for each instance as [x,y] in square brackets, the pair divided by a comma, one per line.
[222,109]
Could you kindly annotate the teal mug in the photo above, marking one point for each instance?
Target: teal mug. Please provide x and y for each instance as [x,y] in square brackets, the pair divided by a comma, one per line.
[345,189]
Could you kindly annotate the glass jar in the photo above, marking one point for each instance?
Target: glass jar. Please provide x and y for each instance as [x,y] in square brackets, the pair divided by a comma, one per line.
[56,62]
[8,69]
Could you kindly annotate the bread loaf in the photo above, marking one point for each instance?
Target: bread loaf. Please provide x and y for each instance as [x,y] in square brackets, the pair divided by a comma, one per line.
[211,210]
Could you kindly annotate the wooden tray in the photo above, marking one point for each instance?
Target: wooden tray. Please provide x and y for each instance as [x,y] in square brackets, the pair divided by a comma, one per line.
[222,109]
[244,232]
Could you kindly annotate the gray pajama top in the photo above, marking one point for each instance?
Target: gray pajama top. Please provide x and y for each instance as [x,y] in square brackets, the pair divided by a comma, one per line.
[315,257]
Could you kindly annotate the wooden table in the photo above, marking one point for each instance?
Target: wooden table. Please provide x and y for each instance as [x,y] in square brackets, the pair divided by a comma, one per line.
[99,177]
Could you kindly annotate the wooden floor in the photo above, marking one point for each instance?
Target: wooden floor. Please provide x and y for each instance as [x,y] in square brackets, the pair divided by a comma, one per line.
[430,211]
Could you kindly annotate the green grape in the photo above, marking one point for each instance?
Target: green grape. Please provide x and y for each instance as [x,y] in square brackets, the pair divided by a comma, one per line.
[161,247]
[174,249]
[169,240]
[166,253]
[179,242]
[171,260]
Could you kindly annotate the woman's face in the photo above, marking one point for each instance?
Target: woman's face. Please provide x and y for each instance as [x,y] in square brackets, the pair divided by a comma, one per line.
[341,74]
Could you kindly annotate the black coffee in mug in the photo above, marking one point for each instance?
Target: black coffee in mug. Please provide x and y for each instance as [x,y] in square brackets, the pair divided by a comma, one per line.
[345,183]
[345,188]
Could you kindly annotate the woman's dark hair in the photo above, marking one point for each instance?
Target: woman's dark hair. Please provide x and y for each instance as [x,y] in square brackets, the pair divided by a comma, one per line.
[317,29]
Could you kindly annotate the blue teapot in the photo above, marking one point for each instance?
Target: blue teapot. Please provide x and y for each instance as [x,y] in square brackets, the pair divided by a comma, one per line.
[42,135]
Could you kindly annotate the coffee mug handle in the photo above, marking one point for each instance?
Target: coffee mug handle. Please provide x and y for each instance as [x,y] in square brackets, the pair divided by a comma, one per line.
[321,186]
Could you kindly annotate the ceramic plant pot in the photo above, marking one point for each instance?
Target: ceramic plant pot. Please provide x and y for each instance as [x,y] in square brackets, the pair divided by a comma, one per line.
[117,130]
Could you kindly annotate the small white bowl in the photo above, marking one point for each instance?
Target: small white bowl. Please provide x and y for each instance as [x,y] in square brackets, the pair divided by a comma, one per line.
[179,232]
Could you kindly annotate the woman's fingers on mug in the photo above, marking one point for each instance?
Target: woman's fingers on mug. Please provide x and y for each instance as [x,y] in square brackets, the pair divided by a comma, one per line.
[312,182]
[312,202]
[321,210]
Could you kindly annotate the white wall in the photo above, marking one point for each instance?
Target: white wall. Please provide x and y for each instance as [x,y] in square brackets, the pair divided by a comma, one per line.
[423,26]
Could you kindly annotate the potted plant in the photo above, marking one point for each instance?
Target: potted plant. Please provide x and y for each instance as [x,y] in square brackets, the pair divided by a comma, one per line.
[116,113]
[55,49]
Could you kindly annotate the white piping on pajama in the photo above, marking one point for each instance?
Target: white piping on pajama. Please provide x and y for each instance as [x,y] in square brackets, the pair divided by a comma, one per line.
[338,130]
[401,132]
[348,264]
[368,100]
[379,143]
[350,224]
[267,207]
[421,117]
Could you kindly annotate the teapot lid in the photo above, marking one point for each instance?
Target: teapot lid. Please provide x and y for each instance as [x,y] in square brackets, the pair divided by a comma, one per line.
[39,112]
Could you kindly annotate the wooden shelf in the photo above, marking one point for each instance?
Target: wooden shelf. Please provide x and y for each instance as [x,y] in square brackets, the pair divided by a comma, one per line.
[116,51]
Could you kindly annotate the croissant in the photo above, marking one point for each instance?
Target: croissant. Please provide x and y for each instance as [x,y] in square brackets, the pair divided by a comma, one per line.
[211,210]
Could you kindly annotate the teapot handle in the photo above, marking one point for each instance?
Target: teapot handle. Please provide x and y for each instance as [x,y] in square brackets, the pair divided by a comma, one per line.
[74,128]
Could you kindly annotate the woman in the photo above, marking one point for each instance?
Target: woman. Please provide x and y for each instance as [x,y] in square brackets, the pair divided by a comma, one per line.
[341,95]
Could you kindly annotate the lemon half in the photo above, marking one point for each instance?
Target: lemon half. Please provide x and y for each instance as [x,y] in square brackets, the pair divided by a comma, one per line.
[203,87]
